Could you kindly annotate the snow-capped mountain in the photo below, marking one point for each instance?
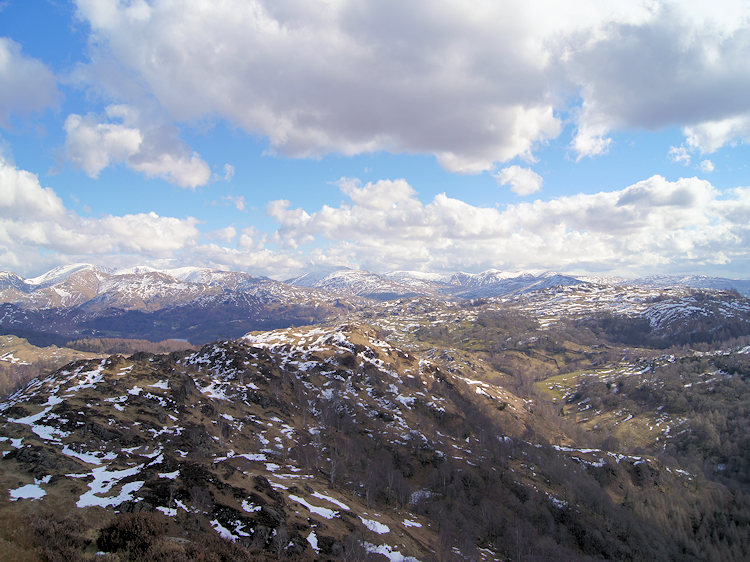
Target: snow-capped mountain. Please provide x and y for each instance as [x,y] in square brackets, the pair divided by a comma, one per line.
[742,286]
[487,277]
[189,303]
[496,283]
[61,273]
[315,276]
[9,280]
[363,284]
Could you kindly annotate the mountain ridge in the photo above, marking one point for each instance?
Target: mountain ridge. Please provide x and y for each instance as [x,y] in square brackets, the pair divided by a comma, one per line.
[201,304]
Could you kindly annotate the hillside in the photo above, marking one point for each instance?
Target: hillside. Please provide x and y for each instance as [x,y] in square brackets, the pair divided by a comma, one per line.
[333,442]
[20,361]
[408,417]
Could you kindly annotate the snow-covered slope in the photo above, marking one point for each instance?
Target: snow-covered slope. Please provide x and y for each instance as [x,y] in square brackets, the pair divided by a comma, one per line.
[9,280]
[315,276]
[362,283]
[61,273]
[742,286]
[495,283]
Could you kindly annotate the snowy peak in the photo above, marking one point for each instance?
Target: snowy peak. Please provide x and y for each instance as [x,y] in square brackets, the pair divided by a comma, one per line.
[496,283]
[742,286]
[406,284]
[363,284]
[60,273]
[9,280]
[409,276]
[315,277]
[484,278]
[229,280]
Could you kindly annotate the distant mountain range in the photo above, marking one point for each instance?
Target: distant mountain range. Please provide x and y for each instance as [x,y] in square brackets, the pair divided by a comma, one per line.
[188,303]
[488,284]
[202,304]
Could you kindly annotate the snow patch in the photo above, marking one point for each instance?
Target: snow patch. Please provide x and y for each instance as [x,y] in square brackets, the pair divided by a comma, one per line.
[375,526]
[322,511]
[27,492]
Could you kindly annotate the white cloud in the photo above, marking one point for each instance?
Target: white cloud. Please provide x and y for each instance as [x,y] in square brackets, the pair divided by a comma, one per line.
[684,64]
[226,234]
[27,85]
[236,201]
[590,141]
[710,136]
[680,155]
[590,138]
[649,224]
[258,261]
[154,150]
[34,223]
[181,169]
[467,84]
[38,232]
[21,196]
[93,146]
[655,223]
[471,84]
[707,166]
[522,181]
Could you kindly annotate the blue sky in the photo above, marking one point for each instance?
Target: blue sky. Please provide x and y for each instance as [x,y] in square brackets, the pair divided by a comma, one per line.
[275,137]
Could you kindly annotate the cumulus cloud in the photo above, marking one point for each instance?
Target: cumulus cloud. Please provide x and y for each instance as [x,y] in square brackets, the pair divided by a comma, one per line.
[707,166]
[710,136]
[684,64]
[37,232]
[473,85]
[383,225]
[236,201]
[680,154]
[93,146]
[522,181]
[651,223]
[27,84]
[152,149]
[185,170]
[34,216]
[226,234]
[21,196]
[34,221]
[466,84]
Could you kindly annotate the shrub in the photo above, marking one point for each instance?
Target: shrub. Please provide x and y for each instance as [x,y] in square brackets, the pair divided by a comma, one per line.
[132,533]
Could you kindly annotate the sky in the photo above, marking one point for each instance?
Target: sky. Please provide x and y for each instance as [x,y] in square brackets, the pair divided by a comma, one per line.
[276,137]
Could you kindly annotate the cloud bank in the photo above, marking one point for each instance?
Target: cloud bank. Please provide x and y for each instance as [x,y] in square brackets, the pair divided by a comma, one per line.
[670,225]
[472,84]
[686,224]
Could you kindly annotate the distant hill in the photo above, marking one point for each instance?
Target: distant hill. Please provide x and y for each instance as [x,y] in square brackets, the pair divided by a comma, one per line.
[20,361]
